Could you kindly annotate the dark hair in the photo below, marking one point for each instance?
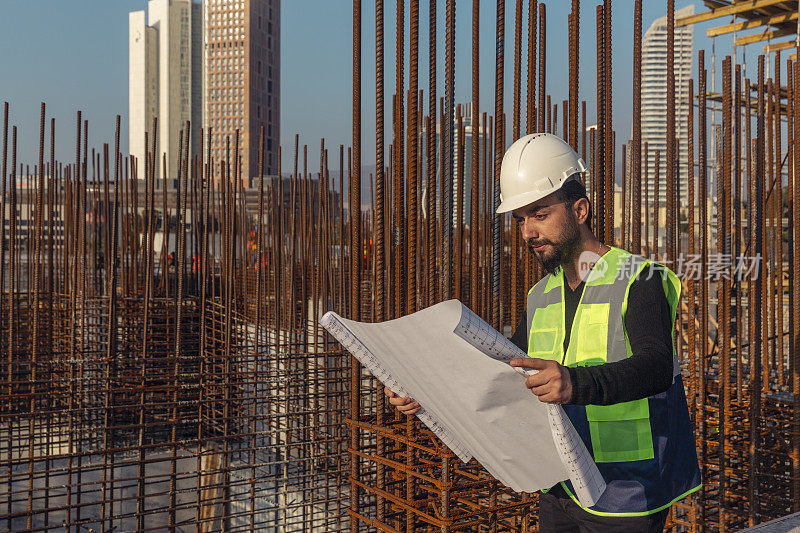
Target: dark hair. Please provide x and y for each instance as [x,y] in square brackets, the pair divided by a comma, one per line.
[572,191]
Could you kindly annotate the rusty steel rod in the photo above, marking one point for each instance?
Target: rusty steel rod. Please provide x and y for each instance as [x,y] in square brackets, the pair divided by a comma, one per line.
[355,244]
[163,360]
[499,149]
[670,166]
[474,158]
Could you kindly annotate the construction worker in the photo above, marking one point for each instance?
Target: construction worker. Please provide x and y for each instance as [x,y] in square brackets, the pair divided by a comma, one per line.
[598,328]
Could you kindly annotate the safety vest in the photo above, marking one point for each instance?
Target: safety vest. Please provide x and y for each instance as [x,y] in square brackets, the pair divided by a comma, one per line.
[644,448]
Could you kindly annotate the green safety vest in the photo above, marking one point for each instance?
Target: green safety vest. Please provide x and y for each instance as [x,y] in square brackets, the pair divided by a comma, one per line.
[627,440]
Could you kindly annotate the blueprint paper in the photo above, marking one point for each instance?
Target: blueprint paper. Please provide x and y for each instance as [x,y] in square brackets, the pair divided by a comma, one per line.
[456,367]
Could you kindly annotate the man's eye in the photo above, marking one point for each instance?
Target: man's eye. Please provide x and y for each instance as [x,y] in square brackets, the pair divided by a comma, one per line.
[540,217]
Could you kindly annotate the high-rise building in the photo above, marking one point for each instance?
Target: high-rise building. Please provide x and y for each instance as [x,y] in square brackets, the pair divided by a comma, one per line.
[165,78]
[466,121]
[654,98]
[242,85]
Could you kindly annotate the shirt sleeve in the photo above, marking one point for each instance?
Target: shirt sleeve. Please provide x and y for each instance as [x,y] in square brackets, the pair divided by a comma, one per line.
[520,336]
[648,371]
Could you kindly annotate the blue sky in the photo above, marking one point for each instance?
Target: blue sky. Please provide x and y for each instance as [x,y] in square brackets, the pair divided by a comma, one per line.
[73,55]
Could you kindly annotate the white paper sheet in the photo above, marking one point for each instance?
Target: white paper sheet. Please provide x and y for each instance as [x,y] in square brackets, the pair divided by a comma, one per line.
[455,366]
[583,472]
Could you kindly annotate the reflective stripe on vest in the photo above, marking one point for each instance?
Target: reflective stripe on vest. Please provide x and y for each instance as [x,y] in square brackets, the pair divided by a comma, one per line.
[619,432]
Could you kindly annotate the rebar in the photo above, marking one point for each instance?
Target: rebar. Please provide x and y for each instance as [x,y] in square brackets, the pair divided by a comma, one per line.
[162,361]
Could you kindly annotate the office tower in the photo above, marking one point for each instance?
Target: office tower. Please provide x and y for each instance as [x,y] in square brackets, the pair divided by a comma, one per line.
[165,79]
[242,85]
[654,98]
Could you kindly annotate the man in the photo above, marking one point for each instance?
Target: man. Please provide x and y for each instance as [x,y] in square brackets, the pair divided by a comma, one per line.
[599,331]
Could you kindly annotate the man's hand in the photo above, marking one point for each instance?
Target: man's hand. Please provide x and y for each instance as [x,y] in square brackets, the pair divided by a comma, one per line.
[551,383]
[407,406]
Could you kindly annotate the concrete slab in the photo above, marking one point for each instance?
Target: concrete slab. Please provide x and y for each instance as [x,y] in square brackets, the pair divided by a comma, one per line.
[785,524]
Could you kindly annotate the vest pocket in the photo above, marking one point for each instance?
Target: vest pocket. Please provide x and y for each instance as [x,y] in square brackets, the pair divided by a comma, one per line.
[621,432]
[543,343]
[592,333]
[544,336]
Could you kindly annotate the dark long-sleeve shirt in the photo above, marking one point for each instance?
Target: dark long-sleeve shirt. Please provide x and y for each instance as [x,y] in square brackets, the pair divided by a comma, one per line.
[647,371]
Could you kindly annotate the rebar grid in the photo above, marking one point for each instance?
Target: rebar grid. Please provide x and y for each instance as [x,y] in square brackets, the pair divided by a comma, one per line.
[161,363]
[159,373]
[699,223]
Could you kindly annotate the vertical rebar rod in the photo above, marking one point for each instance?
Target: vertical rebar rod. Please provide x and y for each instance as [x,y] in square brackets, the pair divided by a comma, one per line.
[411,163]
[12,246]
[379,225]
[609,126]
[623,197]
[737,216]
[499,145]
[795,289]
[3,205]
[755,377]
[449,148]
[779,222]
[399,235]
[599,169]
[355,274]
[670,151]
[516,90]
[636,144]
[432,148]
[530,116]
[574,64]
[515,284]
[703,207]
[485,217]
[458,241]
[655,246]
[542,56]
[531,126]
[36,320]
[690,280]
[474,162]
[723,308]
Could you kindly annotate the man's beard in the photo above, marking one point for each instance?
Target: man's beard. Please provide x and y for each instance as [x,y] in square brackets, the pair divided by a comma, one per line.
[564,249]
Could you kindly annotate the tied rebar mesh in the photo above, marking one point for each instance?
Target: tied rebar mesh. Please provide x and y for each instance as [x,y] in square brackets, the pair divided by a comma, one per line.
[161,361]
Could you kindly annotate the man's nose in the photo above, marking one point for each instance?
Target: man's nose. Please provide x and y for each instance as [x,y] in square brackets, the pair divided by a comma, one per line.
[528,230]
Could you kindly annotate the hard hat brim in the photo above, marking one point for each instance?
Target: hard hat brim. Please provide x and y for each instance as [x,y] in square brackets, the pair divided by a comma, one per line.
[521,200]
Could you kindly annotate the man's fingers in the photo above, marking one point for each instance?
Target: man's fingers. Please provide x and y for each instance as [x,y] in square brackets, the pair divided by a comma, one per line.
[541,390]
[538,379]
[407,406]
[397,401]
[550,398]
[409,409]
[530,362]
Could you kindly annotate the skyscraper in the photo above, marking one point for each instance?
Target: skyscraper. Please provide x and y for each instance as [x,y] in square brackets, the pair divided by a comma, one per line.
[165,78]
[242,87]
[654,98]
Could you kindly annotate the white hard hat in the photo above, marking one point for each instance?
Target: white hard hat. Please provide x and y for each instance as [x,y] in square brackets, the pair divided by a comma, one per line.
[533,167]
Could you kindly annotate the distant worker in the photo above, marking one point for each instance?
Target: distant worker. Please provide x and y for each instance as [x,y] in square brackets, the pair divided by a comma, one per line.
[618,379]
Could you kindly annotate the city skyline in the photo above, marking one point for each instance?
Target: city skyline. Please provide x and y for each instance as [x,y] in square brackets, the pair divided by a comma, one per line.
[654,100]
[242,81]
[215,63]
[94,78]
[165,80]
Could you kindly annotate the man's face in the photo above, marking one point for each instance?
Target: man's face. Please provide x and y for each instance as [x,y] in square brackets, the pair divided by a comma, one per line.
[550,231]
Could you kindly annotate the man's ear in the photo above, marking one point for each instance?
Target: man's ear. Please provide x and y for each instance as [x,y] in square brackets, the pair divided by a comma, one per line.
[581,210]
